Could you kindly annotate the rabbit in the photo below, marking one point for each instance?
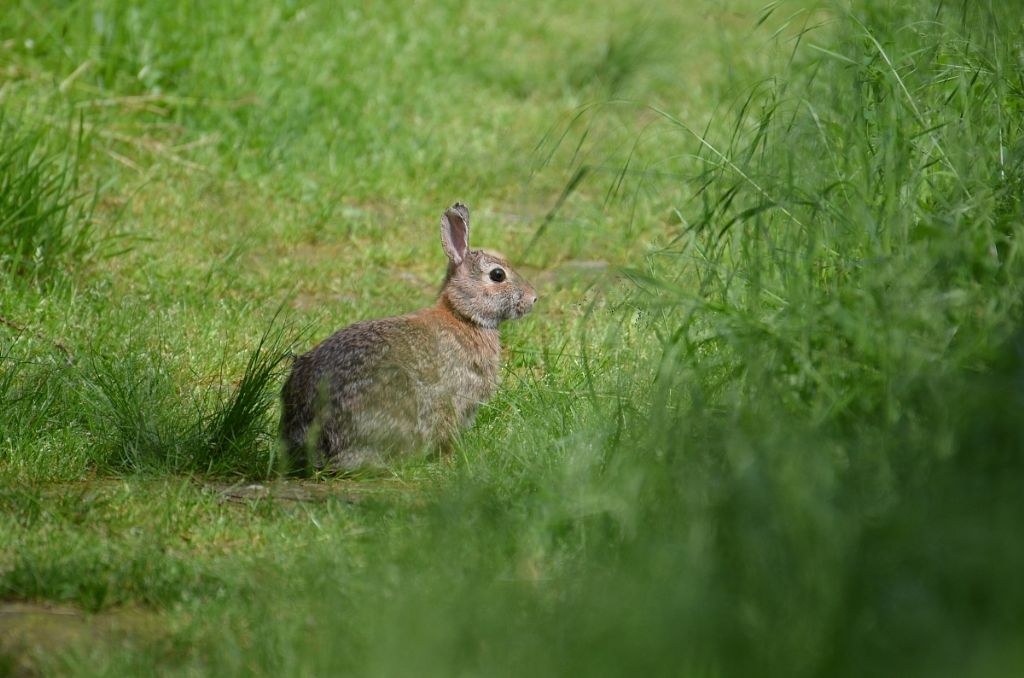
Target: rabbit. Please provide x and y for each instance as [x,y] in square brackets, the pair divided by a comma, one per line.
[381,389]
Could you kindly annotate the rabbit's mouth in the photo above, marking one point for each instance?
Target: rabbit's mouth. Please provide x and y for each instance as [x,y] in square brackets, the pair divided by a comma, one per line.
[524,306]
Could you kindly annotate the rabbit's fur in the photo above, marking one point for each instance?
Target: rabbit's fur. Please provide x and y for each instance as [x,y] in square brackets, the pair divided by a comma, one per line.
[379,389]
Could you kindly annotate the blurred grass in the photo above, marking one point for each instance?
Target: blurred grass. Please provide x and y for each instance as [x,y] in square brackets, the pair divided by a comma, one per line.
[763,421]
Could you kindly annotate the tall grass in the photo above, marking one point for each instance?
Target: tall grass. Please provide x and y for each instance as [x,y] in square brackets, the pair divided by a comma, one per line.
[46,221]
[861,225]
[850,259]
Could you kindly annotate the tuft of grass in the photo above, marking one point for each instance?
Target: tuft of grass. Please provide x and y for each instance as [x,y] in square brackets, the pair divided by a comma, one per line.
[30,394]
[46,220]
[129,403]
[133,408]
[245,420]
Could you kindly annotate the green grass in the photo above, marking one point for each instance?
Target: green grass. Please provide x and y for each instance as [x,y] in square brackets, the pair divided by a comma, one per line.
[47,222]
[764,420]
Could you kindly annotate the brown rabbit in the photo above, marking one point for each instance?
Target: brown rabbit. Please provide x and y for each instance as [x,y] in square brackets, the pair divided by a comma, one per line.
[383,388]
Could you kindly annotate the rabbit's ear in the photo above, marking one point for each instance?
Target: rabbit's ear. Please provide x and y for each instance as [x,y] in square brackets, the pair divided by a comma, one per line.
[455,232]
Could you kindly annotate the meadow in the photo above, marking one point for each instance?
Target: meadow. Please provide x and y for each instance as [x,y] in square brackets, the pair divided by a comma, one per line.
[764,419]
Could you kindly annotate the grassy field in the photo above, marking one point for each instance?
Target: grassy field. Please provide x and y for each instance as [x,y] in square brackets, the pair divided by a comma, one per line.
[764,420]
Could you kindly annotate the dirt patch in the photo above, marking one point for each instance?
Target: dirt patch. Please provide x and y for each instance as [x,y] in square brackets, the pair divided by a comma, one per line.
[349,491]
[33,632]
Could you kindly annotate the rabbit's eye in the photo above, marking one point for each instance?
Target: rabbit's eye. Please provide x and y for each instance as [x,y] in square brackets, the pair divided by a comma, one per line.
[497,274]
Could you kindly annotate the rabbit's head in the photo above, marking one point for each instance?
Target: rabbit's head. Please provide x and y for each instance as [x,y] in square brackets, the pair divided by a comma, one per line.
[480,286]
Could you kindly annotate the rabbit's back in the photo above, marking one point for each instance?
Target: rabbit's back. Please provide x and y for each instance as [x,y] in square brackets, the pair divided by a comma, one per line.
[383,388]
[329,384]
